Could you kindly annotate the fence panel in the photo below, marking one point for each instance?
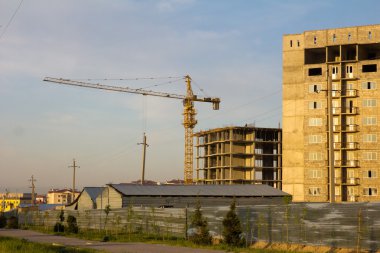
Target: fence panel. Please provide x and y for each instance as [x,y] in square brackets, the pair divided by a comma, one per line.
[354,225]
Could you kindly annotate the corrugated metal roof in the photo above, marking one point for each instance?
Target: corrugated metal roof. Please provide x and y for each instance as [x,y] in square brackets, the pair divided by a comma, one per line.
[93,192]
[199,190]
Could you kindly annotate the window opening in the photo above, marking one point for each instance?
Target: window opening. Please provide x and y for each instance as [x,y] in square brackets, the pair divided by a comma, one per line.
[298,43]
[291,43]
[349,36]
[315,71]
[369,85]
[334,38]
[369,35]
[349,71]
[314,88]
[315,40]
[369,68]
[335,71]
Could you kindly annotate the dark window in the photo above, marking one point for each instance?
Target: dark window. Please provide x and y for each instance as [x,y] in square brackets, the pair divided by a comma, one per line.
[315,71]
[291,43]
[370,68]
[298,43]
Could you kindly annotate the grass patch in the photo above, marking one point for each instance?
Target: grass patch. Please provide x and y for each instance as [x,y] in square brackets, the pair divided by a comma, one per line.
[13,245]
[96,235]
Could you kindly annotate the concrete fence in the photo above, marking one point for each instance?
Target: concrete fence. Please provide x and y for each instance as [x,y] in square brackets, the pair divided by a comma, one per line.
[354,225]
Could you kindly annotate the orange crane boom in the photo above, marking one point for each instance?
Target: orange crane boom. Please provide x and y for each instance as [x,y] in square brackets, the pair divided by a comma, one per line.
[189,112]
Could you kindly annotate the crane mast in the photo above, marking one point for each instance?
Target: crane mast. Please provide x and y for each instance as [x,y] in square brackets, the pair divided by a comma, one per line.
[189,112]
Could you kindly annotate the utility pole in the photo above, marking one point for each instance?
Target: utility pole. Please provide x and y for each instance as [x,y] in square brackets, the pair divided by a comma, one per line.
[143,160]
[33,200]
[74,166]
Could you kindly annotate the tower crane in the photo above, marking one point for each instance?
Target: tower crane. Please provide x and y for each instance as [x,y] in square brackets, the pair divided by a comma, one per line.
[189,112]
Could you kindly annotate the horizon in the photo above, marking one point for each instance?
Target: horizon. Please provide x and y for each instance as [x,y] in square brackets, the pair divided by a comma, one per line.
[236,56]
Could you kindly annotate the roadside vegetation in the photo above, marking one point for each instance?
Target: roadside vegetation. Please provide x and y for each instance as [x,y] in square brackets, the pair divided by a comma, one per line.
[13,245]
[96,235]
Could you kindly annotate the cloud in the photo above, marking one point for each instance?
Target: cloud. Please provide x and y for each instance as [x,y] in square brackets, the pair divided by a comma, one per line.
[172,5]
[61,119]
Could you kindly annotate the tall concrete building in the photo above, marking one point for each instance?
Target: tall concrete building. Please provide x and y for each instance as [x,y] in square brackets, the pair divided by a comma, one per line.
[239,155]
[350,56]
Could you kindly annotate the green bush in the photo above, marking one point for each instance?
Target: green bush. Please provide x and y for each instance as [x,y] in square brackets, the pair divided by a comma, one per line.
[12,222]
[201,233]
[59,228]
[232,231]
[3,221]
[72,226]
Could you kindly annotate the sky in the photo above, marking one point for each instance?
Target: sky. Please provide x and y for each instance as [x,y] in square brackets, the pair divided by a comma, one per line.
[231,49]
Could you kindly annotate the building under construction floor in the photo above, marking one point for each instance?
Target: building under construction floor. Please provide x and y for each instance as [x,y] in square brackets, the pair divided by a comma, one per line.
[239,155]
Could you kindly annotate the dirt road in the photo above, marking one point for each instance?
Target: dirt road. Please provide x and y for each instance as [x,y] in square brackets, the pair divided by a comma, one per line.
[114,247]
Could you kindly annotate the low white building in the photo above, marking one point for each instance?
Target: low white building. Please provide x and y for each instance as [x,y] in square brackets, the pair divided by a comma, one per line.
[61,196]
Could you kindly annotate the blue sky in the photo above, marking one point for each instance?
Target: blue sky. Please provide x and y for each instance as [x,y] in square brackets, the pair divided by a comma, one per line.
[232,50]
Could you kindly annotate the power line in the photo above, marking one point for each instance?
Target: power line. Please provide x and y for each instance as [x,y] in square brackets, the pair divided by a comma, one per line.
[11,19]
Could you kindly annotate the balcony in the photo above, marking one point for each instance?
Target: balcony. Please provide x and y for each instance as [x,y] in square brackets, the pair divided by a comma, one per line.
[350,145]
[349,93]
[346,128]
[344,110]
[336,128]
[338,180]
[352,181]
[348,163]
[353,198]
[335,93]
[350,110]
[346,145]
[336,110]
[351,128]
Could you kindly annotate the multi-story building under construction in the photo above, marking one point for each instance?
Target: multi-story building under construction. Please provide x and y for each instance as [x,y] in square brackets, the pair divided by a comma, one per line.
[340,64]
[239,155]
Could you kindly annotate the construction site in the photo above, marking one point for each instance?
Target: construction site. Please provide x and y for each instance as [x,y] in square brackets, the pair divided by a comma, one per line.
[239,155]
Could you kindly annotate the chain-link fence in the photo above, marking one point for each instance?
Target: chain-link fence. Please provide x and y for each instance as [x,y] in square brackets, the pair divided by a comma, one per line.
[337,225]
[150,221]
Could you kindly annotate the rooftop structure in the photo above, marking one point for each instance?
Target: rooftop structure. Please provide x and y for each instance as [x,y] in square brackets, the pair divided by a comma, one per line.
[124,195]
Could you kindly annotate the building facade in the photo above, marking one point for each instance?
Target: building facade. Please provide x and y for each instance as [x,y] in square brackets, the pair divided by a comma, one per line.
[10,201]
[61,196]
[343,63]
[239,155]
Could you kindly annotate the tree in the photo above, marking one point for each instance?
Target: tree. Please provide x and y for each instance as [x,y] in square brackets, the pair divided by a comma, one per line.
[72,226]
[201,234]
[107,210]
[59,227]
[232,228]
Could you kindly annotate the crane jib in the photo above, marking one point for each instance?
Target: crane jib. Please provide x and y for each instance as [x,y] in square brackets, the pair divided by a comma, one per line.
[189,112]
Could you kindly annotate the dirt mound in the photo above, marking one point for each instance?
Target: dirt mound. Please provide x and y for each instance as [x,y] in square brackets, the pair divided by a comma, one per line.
[293,247]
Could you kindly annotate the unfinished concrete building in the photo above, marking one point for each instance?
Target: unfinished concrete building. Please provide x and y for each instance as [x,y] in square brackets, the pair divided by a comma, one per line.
[350,56]
[239,155]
